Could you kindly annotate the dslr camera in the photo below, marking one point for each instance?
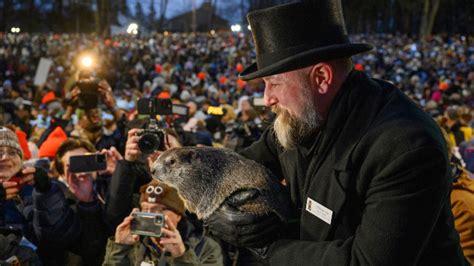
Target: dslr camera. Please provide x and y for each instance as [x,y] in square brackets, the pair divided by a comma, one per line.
[89,86]
[153,137]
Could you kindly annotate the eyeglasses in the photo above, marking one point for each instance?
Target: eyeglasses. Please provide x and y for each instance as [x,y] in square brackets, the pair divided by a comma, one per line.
[9,153]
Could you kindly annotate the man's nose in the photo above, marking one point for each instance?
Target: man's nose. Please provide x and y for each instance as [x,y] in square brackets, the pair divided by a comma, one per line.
[268,98]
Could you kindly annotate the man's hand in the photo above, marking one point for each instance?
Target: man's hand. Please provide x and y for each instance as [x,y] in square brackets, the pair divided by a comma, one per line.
[27,174]
[113,156]
[72,101]
[81,185]
[123,234]
[171,240]
[11,189]
[106,93]
[243,229]
[132,152]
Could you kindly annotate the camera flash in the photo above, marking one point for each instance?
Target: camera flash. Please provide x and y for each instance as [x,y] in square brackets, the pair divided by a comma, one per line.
[86,61]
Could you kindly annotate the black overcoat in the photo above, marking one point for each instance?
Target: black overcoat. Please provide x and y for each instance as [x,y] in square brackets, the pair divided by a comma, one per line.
[372,188]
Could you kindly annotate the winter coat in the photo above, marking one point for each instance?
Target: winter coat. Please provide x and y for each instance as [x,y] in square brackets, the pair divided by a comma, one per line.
[200,250]
[126,181]
[462,206]
[371,188]
[69,232]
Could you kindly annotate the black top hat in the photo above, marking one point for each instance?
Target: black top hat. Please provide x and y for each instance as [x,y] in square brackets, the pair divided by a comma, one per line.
[297,35]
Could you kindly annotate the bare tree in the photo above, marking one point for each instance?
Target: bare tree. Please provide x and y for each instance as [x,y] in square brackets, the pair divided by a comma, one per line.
[163,6]
[430,10]
[151,16]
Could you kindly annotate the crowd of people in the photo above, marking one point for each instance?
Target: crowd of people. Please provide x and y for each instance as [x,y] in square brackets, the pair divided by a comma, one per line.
[54,216]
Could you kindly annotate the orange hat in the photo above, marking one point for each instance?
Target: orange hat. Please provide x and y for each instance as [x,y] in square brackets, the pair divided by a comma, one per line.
[48,97]
[158,68]
[23,144]
[164,95]
[443,86]
[222,80]
[239,67]
[201,75]
[241,84]
[52,143]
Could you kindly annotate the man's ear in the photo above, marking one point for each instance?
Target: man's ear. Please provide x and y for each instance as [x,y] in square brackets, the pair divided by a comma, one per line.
[322,76]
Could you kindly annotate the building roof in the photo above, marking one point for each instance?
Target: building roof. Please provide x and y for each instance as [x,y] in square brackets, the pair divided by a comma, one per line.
[206,20]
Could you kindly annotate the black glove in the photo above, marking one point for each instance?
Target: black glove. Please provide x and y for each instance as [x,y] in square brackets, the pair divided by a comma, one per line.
[243,229]
[3,194]
[42,182]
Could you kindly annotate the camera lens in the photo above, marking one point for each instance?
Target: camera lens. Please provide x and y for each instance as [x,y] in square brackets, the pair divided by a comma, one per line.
[148,143]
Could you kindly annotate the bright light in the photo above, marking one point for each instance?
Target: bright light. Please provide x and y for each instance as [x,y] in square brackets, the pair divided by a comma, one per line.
[15,30]
[249,28]
[87,61]
[166,33]
[213,32]
[236,28]
[132,28]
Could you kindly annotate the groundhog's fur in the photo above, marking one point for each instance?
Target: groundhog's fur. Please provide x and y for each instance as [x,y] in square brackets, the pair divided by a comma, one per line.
[205,177]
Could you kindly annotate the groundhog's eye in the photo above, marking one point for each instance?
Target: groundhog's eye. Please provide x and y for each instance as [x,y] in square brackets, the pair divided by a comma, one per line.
[172,161]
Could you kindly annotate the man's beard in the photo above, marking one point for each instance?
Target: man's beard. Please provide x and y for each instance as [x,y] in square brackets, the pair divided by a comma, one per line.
[291,130]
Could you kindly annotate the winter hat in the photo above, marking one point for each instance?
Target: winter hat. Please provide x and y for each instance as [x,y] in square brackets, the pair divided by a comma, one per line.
[52,143]
[22,140]
[158,192]
[8,138]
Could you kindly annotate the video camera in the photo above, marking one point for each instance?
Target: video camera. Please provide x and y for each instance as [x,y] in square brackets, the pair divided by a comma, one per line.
[153,137]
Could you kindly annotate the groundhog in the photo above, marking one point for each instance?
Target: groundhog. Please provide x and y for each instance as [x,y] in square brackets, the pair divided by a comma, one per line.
[205,177]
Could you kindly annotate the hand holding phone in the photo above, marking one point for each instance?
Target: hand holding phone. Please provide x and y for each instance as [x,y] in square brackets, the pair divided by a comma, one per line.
[24,177]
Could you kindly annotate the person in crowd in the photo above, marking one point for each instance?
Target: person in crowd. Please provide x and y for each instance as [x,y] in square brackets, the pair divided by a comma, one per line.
[462,200]
[91,123]
[367,169]
[182,240]
[456,131]
[130,174]
[17,237]
[68,215]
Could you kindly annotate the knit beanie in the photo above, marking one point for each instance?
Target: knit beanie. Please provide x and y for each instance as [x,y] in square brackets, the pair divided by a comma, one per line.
[8,138]
[23,141]
[158,192]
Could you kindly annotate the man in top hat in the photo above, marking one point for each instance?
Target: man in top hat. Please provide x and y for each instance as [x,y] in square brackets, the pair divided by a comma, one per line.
[367,170]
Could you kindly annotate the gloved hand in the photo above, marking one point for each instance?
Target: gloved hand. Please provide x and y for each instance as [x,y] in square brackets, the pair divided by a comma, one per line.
[42,182]
[243,229]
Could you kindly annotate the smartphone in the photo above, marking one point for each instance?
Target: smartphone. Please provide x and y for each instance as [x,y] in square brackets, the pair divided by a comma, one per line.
[87,163]
[147,224]
[17,178]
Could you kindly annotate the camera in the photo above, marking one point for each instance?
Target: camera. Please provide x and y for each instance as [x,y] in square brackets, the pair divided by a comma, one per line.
[147,224]
[89,86]
[242,134]
[152,138]
[87,163]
